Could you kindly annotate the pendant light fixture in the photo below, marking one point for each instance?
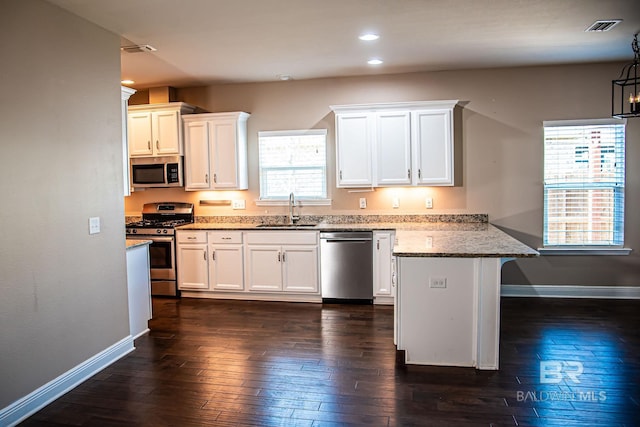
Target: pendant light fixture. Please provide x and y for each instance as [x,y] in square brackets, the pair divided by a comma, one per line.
[625,91]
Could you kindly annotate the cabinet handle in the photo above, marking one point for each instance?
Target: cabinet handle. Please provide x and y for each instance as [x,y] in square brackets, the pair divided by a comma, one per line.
[419,173]
[157,144]
[191,238]
[409,173]
[215,177]
[278,256]
[226,238]
[149,145]
[206,178]
[340,174]
[378,244]
[283,253]
[205,255]
[213,255]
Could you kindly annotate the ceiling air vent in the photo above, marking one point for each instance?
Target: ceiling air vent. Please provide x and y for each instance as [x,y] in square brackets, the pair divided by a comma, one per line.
[600,26]
[137,48]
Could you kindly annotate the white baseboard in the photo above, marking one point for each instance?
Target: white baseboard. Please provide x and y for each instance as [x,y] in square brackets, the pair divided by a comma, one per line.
[28,405]
[570,291]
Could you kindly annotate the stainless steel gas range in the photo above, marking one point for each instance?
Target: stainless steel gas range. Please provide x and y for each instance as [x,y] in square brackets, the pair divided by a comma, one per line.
[158,224]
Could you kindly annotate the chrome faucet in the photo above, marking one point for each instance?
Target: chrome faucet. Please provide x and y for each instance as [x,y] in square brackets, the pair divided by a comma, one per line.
[292,204]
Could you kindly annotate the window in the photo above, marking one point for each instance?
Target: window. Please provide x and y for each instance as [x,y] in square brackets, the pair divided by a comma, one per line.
[584,169]
[293,162]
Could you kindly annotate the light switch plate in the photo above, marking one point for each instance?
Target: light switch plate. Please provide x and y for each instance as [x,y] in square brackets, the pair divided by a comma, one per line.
[363,202]
[238,204]
[94,225]
[396,203]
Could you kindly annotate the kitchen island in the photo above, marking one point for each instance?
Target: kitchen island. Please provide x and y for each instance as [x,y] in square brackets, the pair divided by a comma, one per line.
[448,293]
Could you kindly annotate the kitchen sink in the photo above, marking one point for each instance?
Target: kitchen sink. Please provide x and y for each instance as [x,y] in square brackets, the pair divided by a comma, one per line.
[293,226]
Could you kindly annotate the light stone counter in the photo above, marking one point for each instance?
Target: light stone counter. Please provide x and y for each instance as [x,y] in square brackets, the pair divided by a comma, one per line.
[134,243]
[416,239]
[488,242]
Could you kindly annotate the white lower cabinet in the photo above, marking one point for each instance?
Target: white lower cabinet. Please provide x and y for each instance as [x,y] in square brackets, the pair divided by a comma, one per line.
[193,263]
[262,264]
[383,271]
[282,261]
[226,261]
[300,269]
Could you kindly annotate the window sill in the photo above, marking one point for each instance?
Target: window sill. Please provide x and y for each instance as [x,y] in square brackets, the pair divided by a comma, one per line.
[299,202]
[584,251]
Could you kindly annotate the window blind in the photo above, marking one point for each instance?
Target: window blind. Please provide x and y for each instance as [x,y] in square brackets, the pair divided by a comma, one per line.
[584,172]
[293,161]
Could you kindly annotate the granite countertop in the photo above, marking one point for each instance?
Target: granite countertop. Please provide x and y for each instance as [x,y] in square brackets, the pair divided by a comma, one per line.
[489,242]
[134,243]
[415,239]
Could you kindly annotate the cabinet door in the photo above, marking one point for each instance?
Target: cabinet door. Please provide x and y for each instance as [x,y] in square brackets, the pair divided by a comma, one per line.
[196,145]
[226,271]
[263,268]
[382,272]
[224,154]
[393,148]
[140,134]
[193,268]
[166,133]
[433,145]
[354,140]
[300,268]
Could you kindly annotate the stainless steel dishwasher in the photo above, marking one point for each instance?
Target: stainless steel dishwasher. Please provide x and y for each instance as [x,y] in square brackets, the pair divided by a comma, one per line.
[346,266]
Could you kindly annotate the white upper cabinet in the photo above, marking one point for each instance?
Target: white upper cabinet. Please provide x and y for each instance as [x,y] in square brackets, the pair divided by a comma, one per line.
[393,148]
[354,151]
[126,93]
[433,147]
[156,129]
[196,153]
[396,144]
[216,151]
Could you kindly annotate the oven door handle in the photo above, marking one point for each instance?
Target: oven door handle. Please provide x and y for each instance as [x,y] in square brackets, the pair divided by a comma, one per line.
[161,239]
[153,238]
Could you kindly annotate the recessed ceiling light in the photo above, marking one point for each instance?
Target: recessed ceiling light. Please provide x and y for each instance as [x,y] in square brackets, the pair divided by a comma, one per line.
[127,82]
[367,37]
[375,61]
[283,77]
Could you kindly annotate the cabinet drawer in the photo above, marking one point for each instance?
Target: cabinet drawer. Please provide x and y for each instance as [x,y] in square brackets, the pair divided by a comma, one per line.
[282,237]
[225,237]
[192,236]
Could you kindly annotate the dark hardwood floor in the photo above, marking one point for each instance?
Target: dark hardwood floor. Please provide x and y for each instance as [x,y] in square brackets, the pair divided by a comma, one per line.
[230,363]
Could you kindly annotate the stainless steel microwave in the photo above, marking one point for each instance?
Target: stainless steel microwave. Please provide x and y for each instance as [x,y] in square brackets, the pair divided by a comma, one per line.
[156,172]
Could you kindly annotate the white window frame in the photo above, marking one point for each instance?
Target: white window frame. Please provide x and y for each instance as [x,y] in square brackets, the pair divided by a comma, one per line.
[262,201]
[572,249]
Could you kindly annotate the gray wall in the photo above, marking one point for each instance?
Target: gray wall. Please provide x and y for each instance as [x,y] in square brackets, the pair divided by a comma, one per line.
[500,127]
[63,295]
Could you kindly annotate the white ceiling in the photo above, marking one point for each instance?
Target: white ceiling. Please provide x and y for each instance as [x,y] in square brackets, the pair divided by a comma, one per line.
[201,42]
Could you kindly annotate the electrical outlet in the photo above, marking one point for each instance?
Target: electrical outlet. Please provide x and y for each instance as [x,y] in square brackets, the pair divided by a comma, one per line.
[363,203]
[94,225]
[396,203]
[428,203]
[238,204]
[428,243]
[437,282]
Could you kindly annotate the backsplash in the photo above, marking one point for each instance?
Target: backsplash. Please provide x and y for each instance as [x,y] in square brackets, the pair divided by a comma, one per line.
[346,219]
[336,219]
